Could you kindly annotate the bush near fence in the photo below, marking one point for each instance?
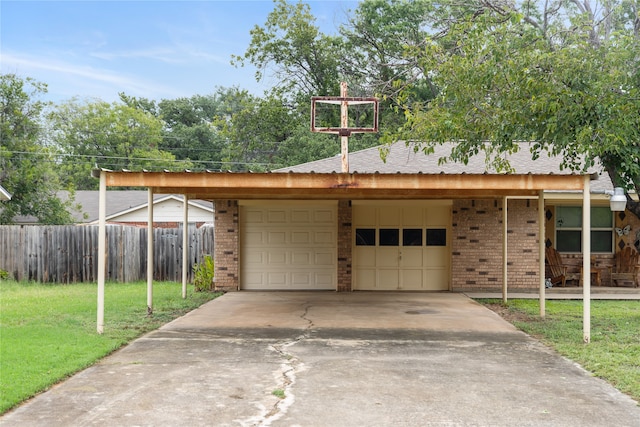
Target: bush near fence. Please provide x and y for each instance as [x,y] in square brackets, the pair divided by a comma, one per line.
[68,254]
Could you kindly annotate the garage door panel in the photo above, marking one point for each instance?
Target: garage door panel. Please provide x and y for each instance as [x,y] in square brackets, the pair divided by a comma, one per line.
[300,216]
[255,237]
[301,259]
[436,257]
[435,278]
[387,257]
[300,237]
[276,237]
[278,216]
[324,258]
[412,257]
[365,257]
[389,216]
[324,216]
[387,279]
[301,279]
[276,279]
[324,280]
[256,258]
[276,258]
[324,237]
[365,278]
[412,279]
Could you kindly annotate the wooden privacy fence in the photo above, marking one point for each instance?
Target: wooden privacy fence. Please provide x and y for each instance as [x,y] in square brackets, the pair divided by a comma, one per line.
[68,254]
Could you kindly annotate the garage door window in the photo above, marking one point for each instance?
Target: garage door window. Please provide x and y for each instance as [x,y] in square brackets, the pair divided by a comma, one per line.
[389,237]
[436,237]
[412,237]
[365,236]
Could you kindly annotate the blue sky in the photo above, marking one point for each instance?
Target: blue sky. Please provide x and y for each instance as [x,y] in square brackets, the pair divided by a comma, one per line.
[151,49]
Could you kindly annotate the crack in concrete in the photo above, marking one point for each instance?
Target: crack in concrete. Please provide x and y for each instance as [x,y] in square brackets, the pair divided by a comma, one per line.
[286,376]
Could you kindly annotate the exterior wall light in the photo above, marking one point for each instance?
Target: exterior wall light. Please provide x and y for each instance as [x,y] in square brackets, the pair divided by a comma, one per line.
[618,200]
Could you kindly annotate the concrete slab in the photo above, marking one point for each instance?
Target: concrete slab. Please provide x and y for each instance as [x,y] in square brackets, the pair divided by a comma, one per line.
[339,359]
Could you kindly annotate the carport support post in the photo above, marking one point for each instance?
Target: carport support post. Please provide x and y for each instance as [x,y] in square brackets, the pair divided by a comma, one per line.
[102,249]
[541,251]
[150,252]
[185,248]
[504,249]
[586,259]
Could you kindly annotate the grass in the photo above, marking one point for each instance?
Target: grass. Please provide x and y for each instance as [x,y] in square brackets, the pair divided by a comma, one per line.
[614,351]
[48,332]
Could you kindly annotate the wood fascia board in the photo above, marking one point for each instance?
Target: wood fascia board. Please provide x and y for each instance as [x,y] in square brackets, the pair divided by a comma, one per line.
[341,185]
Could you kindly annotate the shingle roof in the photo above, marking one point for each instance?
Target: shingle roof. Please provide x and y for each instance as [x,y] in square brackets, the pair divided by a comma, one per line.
[402,158]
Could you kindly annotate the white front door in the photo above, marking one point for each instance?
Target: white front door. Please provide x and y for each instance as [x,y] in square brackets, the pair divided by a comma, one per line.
[401,245]
[288,245]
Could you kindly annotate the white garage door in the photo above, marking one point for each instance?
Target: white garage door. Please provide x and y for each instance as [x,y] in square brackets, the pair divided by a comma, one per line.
[288,245]
[401,245]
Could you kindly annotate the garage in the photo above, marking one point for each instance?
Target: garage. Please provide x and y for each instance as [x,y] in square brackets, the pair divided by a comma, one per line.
[401,245]
[288,245]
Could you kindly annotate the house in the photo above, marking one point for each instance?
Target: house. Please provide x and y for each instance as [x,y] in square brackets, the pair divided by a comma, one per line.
[406,224]
[129,207]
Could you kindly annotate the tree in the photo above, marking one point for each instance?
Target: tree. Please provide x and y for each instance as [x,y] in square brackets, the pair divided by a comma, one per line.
[565,76]
[112,136]
[255,131]
[27,164]
[304,60]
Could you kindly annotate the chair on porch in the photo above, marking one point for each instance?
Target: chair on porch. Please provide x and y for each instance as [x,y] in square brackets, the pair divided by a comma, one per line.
[626,267]
[557,270]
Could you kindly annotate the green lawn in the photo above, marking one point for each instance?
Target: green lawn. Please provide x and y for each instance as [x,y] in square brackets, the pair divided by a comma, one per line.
[614,351]
[48,332]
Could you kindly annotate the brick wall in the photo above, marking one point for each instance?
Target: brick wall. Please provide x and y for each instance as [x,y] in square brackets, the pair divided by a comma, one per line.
[477,244]
[226,245]
[344,246]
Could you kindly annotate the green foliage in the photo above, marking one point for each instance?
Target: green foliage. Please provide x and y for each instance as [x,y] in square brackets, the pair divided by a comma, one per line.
[565,77]
[303,59]
[112,136]
[4,275]
[27,162]
[48,331]
[614,351]
[203,274]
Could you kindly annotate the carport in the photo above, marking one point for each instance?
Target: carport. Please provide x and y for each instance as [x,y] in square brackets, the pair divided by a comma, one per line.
[349,186]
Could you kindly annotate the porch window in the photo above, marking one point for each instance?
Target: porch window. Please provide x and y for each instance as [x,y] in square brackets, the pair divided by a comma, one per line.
[569,229]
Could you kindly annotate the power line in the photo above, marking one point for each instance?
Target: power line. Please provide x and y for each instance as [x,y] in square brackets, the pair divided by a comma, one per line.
[93,158]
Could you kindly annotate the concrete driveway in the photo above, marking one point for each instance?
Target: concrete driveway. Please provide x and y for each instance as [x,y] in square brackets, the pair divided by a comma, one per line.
[336,359]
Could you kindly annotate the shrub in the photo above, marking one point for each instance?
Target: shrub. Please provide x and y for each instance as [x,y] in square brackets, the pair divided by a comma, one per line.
[203,274]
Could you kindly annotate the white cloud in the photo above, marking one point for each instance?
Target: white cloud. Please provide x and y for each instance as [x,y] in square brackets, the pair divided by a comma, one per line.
[105,84]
